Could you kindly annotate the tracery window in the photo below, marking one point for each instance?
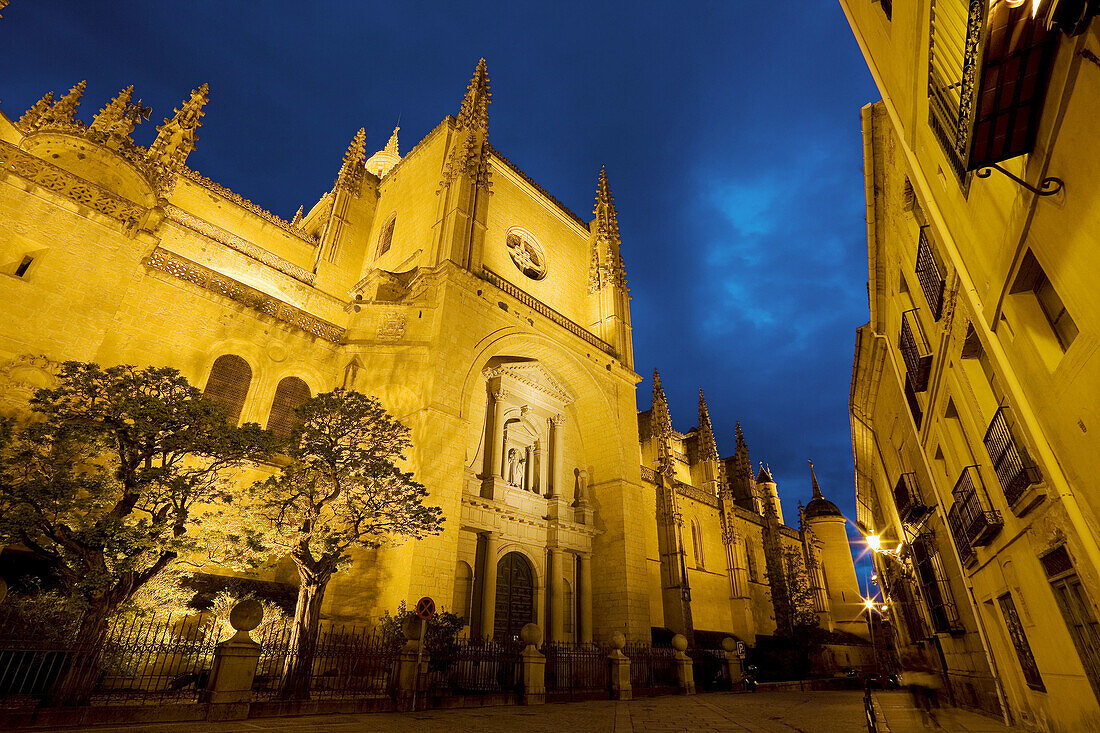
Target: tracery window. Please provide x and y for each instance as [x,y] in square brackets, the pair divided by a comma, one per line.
[697,543]
[750,553]
[289,396]
[228,385]
[385,239]
[527,254]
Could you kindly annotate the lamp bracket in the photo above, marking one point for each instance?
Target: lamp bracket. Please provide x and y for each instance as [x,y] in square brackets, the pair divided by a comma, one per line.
[1047,187]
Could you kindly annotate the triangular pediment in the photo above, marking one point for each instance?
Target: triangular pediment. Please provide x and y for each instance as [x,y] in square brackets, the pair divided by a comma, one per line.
[534,375]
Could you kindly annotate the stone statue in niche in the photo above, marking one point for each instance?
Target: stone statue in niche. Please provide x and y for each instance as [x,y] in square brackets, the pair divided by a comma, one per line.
[580,487]
[516,461]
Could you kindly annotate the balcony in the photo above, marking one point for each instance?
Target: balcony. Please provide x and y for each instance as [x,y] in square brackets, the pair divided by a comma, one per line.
[989,68]
[930,276]
[908,499]
[1013,465]
[915,351]
[939,600]
[977,523]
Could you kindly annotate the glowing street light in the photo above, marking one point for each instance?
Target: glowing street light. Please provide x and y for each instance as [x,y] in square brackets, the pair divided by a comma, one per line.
[874,542]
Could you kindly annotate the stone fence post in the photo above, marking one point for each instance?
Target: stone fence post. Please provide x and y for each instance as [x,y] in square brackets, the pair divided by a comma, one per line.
[235,660]
[407,677]
[534,666]
[733,661]
[685,672]
[620,669]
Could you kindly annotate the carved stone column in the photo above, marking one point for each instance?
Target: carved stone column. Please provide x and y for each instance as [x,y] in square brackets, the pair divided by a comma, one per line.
[557,446]
[584,566]
[557,594]
[489,584]
[540,486]
[496,454]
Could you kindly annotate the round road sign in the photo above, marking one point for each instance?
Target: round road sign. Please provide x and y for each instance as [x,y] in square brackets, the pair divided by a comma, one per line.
[425,608]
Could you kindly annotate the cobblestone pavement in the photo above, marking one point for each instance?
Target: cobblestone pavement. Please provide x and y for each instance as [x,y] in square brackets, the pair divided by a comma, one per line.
[760,712]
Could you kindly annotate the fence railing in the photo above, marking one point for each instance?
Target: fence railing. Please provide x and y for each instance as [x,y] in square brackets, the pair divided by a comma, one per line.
[652,669]
[138,661]
[710,669]
[475,666]
[1011,461]
[348,662]
[576,671]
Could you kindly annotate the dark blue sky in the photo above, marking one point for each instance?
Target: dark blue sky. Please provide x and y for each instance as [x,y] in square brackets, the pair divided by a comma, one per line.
[730,131]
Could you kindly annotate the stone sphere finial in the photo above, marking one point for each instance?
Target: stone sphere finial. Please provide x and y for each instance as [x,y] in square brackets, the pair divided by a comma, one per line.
[680,643]
[530,634]
[618,641]
[728,644]
[246,615]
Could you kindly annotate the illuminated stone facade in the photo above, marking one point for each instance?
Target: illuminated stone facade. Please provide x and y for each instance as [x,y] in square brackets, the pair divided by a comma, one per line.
[486,316]
[976,381]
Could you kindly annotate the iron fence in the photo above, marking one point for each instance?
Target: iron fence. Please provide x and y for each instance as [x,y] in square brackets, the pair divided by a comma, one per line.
[138,661]
[576,671]
[652,669]
[710,670]
[474,667]
[348,662]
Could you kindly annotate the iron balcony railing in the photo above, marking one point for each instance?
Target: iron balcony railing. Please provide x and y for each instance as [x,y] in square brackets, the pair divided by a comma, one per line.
[929,275]
[908,499]
[544,310]
[956,524]
[915,350]
[979,523]
[954,32]
[1013,465]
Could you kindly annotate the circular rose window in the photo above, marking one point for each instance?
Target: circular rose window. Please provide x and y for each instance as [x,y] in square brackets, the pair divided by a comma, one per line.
[527,255]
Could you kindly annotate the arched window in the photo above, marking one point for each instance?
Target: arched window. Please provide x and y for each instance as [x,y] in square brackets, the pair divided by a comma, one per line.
[385,239]
[463,596]
[289,395]
[228,385]
[697,543]
[750,553]
[567,607]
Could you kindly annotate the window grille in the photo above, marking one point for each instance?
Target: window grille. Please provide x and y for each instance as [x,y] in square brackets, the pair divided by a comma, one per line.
[1019,641]
[933,580]
[915,350]
[228,385]
[289,396]
[904,600]
[930,275]
[1010,459]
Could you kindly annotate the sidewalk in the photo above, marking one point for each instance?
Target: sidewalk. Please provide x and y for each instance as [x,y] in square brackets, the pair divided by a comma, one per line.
[896,714]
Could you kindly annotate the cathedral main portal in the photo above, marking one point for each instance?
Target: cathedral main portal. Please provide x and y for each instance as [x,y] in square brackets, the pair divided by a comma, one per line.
[515,596]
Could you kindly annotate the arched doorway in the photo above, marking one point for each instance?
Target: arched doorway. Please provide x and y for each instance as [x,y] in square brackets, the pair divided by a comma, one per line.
[515,596]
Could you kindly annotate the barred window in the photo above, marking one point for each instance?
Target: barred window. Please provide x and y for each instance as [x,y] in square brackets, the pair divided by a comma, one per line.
[228,385]
[289,396]
[933,580]
[1019,641]
[1077,611]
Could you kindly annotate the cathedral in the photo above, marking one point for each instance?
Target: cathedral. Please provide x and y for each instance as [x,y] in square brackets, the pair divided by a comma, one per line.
[489,318]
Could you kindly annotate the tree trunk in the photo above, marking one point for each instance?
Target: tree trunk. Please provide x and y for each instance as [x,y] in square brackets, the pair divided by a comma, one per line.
[298,670]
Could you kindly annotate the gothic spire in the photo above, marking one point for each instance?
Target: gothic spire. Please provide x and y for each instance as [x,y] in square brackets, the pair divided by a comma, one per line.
[112,113]
[474,113]
[765,475]
[65,108]
[391,145]
[607,263]
[176,138]
[661,426]
[351,173]
[708,447]
[33,116]
[813,477]
[297,216]
[469,154]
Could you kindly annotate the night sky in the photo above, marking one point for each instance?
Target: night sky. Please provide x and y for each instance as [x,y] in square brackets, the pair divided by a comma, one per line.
[730,131]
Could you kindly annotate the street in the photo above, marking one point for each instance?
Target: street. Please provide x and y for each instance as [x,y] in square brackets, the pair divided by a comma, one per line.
[761,712]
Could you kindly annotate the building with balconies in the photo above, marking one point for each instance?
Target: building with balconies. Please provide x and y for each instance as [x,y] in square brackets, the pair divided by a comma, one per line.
[975,385]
